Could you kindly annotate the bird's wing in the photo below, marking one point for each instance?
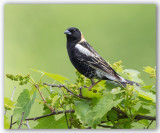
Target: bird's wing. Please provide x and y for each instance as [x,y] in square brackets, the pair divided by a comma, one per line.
[85,53]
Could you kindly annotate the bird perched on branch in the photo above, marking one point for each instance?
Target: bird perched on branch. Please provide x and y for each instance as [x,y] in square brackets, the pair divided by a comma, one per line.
[88,62]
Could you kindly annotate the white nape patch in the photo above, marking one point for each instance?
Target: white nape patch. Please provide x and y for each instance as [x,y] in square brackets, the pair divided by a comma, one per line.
[84,50]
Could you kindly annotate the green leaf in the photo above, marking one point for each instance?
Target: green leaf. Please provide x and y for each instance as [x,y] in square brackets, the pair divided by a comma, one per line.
[137,125]
[8,104]
[143,110]
[91,115]
[144,122]
[104,105]
[117,90]
[56,77]
[112,115]
[24,103]
[51,122]
[90,94]
[83,110]
[145,95]
[6,122]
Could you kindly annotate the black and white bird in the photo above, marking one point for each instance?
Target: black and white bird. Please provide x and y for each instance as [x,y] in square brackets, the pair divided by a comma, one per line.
[88,62]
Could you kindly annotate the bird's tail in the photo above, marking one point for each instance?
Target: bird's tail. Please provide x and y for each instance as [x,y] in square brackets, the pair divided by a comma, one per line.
[124,84]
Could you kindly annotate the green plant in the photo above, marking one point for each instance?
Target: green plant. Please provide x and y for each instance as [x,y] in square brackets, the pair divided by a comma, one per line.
[73,106]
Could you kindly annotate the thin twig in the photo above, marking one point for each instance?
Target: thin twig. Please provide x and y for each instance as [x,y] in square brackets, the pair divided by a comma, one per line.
[21,121]
[6,110]
[68,91]
[53,113]
[27,124]
[119,111]
[66,120]
[11,122]
[149,124]
[14,123]
[37,86]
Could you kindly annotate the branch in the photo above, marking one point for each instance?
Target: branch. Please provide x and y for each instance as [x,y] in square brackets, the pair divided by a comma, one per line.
[138,117]
[149,124]
[68,90]
[124,115]
[37,86]
[53,113]
[21,121]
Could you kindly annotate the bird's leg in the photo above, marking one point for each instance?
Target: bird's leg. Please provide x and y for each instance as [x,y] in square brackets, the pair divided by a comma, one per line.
[93,84]
[80,91]
[84,81]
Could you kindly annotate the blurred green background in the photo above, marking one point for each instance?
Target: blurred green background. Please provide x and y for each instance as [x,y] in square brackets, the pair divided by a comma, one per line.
[34,38]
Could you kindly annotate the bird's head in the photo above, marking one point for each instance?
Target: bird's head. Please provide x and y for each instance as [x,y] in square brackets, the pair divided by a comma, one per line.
[74,34]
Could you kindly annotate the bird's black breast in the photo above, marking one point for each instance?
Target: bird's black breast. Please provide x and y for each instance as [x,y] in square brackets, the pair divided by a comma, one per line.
[79,64]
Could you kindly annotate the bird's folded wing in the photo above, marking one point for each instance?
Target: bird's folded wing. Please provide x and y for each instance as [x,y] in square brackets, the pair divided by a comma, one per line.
[97,62]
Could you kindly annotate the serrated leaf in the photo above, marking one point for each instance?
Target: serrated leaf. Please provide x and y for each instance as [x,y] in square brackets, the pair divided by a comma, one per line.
[51,122]
[104,105]
[91,115]
[8,104]
[56,77]
[143,110]
[82,111]
[6,122]
[24,103]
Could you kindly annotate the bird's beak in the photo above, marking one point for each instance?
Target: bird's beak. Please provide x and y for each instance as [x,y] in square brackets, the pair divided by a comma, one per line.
[67,32]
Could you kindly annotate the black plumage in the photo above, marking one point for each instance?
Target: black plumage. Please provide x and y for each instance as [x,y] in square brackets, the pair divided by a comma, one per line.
[87,61]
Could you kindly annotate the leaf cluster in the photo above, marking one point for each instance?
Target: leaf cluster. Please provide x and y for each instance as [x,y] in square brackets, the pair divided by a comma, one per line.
[107,105]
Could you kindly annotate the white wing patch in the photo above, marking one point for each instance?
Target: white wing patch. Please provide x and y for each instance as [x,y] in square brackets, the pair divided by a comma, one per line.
[84,50]
[101,74]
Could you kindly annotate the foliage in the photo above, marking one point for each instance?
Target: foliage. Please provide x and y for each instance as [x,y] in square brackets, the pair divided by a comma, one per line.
[24,103]
[107,105]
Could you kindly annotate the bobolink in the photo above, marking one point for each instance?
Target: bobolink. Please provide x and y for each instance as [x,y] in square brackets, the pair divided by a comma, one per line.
[88,62]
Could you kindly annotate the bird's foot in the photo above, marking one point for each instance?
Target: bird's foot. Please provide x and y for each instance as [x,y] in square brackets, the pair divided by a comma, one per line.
[93,84]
